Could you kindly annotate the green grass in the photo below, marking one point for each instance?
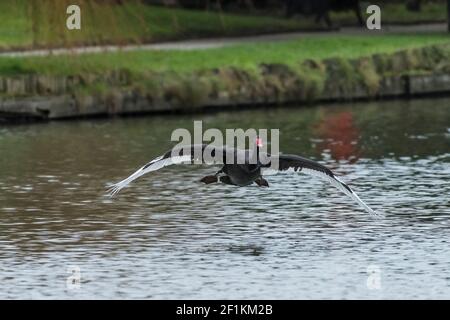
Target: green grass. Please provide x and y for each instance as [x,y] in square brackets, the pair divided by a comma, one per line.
[137,23]
[15,28]
[395,13]
[430,12]
[247,56]
[132,22]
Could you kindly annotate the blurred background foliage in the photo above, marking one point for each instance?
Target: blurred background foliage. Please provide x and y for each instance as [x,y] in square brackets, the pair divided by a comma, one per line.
[41,23]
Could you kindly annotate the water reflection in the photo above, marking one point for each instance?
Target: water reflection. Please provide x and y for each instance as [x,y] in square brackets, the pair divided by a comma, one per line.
[339,136]
[171,237]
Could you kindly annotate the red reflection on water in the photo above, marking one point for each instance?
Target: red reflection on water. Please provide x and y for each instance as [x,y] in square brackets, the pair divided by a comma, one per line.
[340,136]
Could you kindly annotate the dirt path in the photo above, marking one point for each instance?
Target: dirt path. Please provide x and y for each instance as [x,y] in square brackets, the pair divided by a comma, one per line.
[223,42]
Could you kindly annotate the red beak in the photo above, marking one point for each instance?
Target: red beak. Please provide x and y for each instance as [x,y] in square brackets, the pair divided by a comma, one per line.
[259,142]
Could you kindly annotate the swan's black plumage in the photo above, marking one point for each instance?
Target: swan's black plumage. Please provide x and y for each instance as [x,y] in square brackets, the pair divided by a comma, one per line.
[240,167]
[290,161]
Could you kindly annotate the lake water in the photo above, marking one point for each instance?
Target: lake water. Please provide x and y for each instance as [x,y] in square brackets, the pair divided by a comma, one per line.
[169,236]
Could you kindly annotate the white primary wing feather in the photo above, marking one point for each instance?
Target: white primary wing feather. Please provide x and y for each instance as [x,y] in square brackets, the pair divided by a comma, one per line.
[334,181]
[153,165]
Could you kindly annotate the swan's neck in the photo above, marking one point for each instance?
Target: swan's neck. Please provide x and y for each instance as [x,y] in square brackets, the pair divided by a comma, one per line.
[255,153]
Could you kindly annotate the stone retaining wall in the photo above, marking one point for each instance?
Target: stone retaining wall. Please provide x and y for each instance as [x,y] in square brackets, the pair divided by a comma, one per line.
[402,74]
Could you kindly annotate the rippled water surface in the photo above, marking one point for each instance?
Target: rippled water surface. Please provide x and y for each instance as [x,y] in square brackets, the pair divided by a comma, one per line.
[168,236]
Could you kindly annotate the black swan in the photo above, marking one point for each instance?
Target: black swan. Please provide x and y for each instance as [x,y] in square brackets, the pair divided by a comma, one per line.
[242,171]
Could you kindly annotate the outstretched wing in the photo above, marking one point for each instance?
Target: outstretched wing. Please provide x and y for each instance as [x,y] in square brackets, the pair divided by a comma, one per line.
[179,155]
[294,163]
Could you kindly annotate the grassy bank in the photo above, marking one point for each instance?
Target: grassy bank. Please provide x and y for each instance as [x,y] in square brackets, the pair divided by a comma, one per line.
[246,57]
[133,22]
[302,71]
